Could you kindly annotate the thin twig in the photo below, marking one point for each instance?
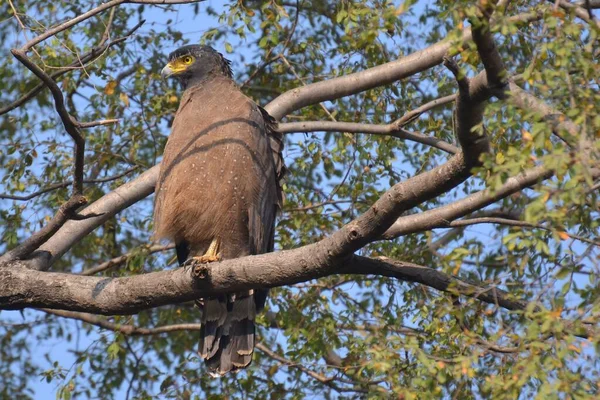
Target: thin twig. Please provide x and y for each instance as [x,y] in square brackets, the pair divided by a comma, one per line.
[65,184]
[92,124]
[352,127]
[65,212]
[125,329]
[81,62]
[123,258]
[511,222]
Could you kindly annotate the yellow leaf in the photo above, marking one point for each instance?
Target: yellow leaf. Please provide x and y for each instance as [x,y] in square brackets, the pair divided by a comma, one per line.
[110,87]
[526,136]
[563,235]
[400,10]
[124,98]
[575,349]
[500,158]
[546,197]
[456,269]
[173,99]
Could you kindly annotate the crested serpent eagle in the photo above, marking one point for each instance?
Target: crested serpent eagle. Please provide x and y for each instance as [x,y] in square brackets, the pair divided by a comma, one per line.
[218,193]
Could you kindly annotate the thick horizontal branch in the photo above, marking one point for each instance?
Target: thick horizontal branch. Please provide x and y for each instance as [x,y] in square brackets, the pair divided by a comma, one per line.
[351,127]
[21,287]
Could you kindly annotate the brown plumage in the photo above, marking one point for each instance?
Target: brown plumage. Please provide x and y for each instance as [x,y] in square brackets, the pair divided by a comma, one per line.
[219,185]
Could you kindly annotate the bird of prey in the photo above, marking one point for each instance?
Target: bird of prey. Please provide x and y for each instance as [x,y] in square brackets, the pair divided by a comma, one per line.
[218,193]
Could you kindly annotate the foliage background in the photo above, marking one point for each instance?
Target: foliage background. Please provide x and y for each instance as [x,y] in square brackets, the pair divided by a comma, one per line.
[342,336]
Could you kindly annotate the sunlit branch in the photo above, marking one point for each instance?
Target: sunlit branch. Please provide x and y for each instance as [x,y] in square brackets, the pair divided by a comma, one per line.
[351,127]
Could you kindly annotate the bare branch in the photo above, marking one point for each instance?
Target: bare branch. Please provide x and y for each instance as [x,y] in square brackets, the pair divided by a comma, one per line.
[416,113]
[442,216]
[93,124]
[65,184]
[512,222]
[67,120]
[126,329]
[352,127]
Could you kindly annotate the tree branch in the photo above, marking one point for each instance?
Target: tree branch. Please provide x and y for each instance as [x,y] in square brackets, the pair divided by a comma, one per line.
[124,258]
[65,184]
[105,208]
[65,212]
[380,75]
[352,127]
[82,61]
[21,287]
[442,216]
[67,120]
[126,329]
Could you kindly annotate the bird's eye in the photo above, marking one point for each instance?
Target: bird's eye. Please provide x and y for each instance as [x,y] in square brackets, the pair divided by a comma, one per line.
[187,60]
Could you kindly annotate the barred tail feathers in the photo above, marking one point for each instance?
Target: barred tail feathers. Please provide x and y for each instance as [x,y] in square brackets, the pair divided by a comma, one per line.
[227,334]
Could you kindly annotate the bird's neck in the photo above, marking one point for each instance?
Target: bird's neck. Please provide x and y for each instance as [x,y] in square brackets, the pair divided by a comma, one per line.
[205,80]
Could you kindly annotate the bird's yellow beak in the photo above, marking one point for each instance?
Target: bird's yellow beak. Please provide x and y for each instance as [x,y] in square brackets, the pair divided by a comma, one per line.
[167,71]
[174,67]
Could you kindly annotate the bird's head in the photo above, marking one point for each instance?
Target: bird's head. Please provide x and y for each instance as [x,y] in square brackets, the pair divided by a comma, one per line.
[195,63]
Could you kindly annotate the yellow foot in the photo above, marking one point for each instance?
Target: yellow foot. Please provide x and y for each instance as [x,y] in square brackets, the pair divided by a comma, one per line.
[198,263]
